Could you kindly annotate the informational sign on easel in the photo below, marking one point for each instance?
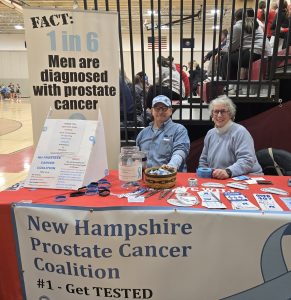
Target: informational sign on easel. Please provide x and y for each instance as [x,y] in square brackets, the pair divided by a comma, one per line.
[67,155]
[73,62]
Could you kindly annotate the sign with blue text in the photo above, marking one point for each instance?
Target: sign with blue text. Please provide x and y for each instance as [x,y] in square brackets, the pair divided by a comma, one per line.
[79,253]
[67,155]
[73,64]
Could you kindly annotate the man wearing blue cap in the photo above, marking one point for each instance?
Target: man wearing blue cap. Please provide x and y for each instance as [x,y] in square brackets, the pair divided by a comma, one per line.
[165,142]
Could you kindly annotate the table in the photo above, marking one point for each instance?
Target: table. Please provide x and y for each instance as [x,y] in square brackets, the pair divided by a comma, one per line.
[10,285]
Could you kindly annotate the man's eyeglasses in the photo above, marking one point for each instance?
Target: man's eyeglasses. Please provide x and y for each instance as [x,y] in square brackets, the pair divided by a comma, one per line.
[161,108]
[221,111]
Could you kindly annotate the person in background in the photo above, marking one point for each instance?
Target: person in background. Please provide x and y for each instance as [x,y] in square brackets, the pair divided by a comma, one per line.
[143,79]
[17,93]
[12,91]
[212,54]
[164,84]
[261,13]
[165,142]
[126,96]
[234,55]
[195,76]
[228,147]
[1,92]
[284,29]
[140,81]
[184,77]
[271,18]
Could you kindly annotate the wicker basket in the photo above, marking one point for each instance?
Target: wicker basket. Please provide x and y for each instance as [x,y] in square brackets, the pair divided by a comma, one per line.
[159,181]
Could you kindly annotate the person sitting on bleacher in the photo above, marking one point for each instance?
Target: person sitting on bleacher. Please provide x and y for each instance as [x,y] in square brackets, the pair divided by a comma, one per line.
[284,29]
[195,76]
[133,102]
[212,55]
[233,56]
[165,142]
[184,76]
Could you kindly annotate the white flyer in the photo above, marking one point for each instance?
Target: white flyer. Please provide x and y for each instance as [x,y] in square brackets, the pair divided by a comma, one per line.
[67,155]
[239,201]
[267,202]
[211,199]
[287,201]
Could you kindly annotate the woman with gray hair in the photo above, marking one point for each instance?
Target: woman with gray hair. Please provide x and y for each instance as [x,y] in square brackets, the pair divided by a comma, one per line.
[228,147]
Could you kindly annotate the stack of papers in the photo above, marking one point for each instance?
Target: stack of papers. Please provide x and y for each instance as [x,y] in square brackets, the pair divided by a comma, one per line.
[211,199]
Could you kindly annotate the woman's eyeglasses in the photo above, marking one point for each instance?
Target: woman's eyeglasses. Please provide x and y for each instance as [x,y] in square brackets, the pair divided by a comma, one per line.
[161,108]
[221,111]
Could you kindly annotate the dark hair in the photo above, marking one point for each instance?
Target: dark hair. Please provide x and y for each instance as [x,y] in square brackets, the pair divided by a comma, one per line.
[238,14]
[164,62]
[224,32]
[171,58]
[250,19]
[262,6]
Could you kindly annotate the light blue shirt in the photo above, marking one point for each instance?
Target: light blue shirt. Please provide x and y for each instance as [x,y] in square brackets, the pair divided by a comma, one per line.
[169,144]
[233,149]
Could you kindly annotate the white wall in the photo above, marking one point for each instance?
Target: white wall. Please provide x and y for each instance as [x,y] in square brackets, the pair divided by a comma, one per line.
[13,59]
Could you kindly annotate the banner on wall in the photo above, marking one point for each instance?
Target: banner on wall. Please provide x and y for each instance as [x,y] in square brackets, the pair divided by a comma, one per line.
[67,155]
[73,66]
[82,253]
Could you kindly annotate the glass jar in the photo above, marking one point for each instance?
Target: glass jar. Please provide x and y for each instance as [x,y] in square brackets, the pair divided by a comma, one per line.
[130,164]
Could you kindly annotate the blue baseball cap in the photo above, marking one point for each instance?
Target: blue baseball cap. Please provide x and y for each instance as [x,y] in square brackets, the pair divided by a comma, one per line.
[162,99]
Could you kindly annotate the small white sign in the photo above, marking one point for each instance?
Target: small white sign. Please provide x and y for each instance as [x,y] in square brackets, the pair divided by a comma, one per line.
[65,154]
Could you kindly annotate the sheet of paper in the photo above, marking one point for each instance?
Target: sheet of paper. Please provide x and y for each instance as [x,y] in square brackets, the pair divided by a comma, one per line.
[239,201]
[135,199]
[240,205]
[251,181]
[267,202]
[211,199]
[62,154]
[287,201]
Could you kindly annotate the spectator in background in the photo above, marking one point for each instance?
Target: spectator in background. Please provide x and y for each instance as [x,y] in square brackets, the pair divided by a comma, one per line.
[284,29]
[140,80]
[11,90]
[17,93]
[212,54]
[261,13]
[195,76]
[228,147]
[184,77]
[143,80]
[234,55]
[1,92]
[126,96]
[169,88]
[271,18]
[133,96]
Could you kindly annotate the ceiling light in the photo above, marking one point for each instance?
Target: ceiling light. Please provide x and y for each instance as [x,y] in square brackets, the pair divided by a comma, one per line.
[165,27]
[18,27]
[215,11]
[150,12]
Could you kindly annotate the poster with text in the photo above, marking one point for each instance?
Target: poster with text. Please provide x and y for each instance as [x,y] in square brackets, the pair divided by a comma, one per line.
[65,154]
[85,253]
[73,64]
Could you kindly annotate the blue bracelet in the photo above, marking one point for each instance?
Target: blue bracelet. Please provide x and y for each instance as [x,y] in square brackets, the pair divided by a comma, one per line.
[60,198]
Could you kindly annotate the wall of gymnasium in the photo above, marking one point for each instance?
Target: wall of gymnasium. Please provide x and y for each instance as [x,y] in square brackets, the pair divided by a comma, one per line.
[14,66]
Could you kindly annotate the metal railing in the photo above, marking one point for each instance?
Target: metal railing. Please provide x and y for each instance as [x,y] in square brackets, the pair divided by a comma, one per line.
[142,38]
